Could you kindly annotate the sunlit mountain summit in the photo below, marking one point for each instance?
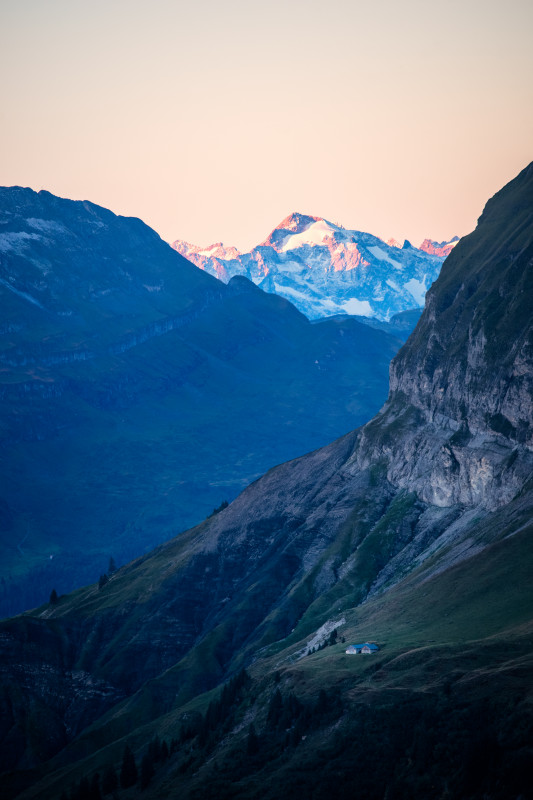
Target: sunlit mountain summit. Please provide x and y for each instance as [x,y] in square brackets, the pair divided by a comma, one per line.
[439,248]
[326,269]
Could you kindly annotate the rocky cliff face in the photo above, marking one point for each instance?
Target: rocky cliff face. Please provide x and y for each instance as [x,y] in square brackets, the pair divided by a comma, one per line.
[458,422]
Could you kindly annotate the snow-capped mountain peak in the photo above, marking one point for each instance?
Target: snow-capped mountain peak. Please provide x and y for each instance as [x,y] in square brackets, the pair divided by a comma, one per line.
[294,225]
[296,222]
[314,233]
[325,269]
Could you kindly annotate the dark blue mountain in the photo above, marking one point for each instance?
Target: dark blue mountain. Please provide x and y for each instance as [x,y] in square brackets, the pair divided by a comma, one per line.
[138,392]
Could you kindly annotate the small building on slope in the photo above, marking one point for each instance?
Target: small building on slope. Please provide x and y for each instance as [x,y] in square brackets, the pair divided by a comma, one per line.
[367,648]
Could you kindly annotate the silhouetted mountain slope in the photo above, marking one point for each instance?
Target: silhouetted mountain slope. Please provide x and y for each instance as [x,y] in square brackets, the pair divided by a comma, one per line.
[412,531]
[137,392]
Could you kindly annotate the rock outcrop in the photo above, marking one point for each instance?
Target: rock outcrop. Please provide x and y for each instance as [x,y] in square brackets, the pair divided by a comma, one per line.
[438,248]
[457,427]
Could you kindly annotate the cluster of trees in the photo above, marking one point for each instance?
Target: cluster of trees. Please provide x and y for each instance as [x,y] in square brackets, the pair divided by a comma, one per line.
[204,730]
[224,504]
[102,580]
[431,744]
[331,640]
[434,745]
[218,716]
[294,719]
[158,752]
[289,720]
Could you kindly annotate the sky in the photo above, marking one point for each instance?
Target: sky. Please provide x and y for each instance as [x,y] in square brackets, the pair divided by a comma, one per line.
[214,120]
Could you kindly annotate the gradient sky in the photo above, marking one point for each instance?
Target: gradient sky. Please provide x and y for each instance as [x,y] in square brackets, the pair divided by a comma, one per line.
[214,120]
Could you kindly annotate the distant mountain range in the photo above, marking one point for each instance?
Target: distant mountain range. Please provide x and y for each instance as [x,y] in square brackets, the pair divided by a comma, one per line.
[325,269]
[137,392]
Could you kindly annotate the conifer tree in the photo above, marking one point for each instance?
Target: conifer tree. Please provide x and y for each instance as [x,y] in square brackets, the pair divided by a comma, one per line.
[84,789]
[154,749]
[165,753]
[147,770]
[95,793]
[252,743]
[333,637]
[275,708]
[128,771]
[109,780]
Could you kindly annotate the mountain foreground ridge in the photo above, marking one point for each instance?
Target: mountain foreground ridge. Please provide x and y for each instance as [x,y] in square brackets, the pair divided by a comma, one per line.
[413,532]
[325,269]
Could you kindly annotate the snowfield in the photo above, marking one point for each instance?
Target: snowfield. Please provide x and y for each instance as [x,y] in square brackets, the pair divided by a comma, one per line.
[325,269]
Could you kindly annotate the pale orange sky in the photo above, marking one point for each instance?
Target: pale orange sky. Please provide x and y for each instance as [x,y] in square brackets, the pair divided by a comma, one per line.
[214,120]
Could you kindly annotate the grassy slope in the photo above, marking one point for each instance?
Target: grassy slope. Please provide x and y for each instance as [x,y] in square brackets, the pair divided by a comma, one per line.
[469,627]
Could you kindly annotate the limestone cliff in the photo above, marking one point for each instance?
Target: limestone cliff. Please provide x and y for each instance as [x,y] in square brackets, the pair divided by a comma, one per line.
[457,427]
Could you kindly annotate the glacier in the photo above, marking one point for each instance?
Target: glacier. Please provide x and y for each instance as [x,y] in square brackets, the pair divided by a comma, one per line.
[325,269]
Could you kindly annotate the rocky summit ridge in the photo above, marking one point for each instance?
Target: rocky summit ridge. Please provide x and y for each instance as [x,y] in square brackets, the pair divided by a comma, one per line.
[325,269]
[439,248]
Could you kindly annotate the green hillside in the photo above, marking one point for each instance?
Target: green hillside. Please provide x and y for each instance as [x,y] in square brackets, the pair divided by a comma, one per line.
[456,646]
